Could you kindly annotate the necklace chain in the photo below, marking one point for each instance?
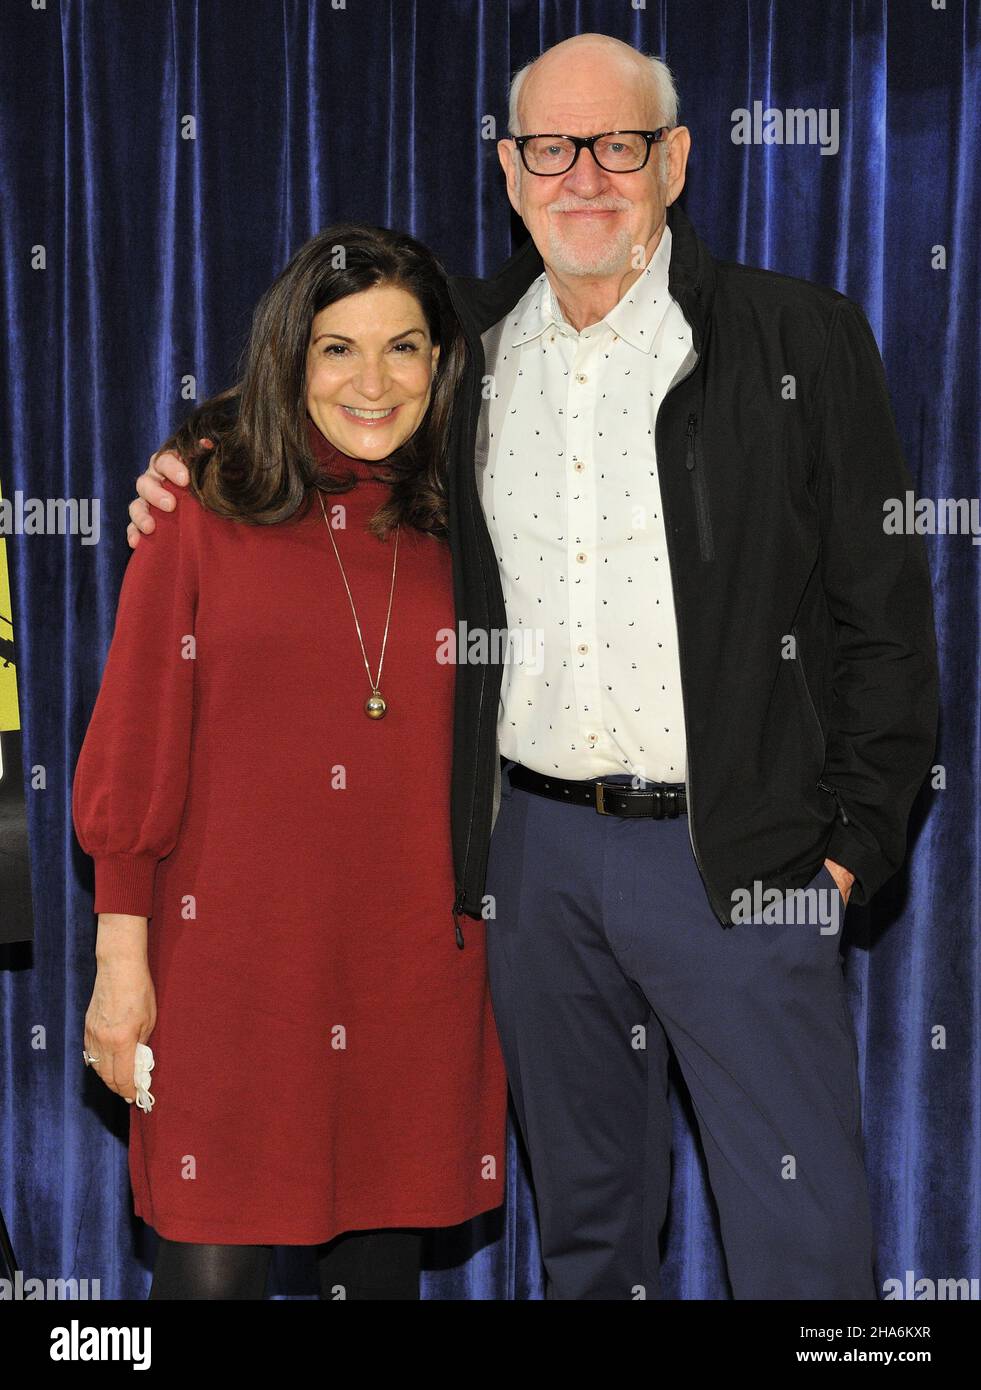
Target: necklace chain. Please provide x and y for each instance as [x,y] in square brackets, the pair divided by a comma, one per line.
[374,683]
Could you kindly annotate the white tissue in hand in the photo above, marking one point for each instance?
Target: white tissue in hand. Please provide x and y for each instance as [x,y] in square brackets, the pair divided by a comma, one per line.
[141,1076]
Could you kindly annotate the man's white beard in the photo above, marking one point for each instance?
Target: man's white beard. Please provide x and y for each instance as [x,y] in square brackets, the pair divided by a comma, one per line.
[607,259]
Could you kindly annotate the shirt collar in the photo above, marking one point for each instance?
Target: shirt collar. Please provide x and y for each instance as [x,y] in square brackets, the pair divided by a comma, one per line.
[634,318]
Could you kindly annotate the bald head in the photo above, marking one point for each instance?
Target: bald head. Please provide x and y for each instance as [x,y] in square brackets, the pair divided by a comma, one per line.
[590,68]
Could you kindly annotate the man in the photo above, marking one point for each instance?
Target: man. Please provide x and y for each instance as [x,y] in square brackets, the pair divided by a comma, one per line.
[681,469]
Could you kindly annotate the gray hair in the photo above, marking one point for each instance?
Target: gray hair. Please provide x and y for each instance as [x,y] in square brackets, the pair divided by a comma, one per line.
[663,87]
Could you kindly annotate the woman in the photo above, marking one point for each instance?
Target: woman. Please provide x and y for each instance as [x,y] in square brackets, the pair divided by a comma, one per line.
[326,1060]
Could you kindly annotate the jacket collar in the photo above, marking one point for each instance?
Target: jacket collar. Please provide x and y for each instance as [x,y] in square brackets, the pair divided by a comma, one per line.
[481,303]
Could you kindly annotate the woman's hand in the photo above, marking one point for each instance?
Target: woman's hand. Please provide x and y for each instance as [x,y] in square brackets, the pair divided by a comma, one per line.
[123,1008]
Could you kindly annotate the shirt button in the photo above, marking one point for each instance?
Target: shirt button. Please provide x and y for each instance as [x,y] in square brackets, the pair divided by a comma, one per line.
[581,376]
[581,557]
[578,466]
[583,648]
[591,738]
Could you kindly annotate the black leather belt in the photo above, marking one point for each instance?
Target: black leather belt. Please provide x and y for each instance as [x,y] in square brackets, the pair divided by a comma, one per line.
[658,801]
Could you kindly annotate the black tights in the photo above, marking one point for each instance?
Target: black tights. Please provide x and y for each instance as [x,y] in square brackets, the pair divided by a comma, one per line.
[359,1264]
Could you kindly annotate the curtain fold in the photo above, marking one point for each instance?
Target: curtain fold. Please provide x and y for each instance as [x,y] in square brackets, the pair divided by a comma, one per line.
[162,160]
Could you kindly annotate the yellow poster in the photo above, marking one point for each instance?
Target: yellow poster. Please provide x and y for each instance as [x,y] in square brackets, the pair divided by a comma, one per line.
[9,710]
[16,908]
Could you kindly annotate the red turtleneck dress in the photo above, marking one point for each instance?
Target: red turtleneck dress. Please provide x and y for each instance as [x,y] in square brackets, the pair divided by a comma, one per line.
[325,1056]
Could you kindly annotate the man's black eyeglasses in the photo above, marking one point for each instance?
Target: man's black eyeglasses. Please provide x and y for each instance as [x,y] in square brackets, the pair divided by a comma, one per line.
[616,151]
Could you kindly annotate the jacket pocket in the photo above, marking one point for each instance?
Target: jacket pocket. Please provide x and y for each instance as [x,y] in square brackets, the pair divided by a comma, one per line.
[811,708]
[696,471]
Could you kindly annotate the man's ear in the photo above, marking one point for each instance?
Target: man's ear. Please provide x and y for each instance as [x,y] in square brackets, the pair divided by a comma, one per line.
[507,153]
[679,146]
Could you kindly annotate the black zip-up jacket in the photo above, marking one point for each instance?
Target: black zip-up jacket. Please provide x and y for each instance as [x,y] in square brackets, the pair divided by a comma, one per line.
[775,455]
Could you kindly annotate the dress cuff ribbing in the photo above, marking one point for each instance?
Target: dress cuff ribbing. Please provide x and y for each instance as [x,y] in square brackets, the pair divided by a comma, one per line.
[124,883]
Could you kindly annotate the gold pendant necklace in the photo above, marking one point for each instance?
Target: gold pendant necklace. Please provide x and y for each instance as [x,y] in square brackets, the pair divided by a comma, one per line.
[375,706]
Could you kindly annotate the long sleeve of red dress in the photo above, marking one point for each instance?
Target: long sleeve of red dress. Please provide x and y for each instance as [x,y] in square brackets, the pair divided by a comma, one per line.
[131,776]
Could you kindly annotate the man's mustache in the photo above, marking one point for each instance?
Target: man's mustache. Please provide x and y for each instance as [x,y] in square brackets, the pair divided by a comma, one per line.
[591,204]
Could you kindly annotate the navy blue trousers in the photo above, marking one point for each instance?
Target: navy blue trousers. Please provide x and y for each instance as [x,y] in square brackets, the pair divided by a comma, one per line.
[603,950]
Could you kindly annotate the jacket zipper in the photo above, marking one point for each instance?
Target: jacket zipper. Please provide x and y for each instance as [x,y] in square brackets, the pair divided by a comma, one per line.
[702,516]
[688,800]
[807,689]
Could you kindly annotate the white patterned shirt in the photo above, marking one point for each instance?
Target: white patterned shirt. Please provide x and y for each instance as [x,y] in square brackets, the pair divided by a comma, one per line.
[571,497]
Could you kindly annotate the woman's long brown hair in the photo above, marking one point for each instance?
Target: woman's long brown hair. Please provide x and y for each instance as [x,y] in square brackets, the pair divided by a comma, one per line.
[261,469]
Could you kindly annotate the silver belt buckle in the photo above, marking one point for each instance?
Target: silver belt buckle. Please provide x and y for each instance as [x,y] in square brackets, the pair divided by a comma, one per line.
[599,801]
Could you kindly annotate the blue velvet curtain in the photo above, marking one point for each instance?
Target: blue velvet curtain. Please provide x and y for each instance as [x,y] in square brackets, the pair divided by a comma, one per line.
[162,160]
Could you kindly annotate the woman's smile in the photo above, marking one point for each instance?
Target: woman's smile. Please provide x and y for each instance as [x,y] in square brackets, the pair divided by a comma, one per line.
[370,418]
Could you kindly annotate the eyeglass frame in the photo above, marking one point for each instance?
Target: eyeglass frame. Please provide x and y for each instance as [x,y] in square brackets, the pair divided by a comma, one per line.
[586,142]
